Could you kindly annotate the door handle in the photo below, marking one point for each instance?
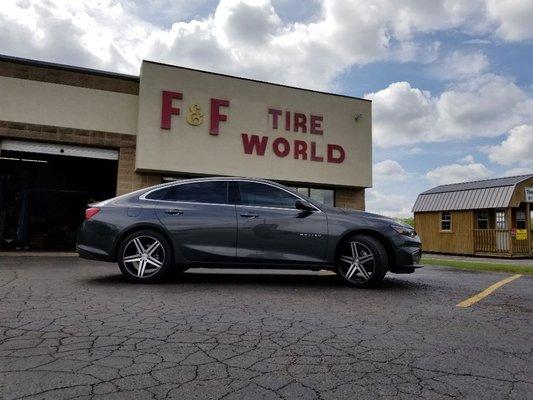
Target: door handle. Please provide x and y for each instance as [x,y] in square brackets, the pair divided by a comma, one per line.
[249,215]
[174,211]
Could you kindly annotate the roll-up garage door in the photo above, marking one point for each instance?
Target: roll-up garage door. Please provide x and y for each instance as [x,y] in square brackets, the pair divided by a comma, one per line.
[59,149]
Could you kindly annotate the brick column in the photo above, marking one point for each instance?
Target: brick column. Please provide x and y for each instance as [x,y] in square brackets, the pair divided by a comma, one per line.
[353,198]
[127,179]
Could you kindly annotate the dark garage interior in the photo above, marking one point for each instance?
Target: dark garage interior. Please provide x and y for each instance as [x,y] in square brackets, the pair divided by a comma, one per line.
[43,197]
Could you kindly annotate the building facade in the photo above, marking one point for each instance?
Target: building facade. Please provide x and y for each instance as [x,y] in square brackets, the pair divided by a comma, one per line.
[70,136]
[491,217]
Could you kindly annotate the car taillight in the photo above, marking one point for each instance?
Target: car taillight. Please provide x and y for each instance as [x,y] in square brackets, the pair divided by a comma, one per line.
[91,212]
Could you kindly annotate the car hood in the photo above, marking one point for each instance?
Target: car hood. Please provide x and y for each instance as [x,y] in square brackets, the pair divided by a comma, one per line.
[371,217]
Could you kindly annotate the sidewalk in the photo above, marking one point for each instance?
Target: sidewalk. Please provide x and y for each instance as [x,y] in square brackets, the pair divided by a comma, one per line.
[490,260]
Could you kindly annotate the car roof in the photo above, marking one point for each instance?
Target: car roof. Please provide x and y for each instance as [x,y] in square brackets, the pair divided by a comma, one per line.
[218,178]
[144,191]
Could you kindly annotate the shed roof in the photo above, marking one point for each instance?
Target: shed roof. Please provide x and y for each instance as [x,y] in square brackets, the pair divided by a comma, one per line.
[490,193]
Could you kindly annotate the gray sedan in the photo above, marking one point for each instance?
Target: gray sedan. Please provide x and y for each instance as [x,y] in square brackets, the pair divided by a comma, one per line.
[247,223]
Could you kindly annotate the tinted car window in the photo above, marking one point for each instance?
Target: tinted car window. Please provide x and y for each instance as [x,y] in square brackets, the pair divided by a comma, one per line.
[201,192]
[258,194]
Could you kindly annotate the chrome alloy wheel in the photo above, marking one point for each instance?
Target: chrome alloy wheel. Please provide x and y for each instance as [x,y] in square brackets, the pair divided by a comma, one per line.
[356,262]
[143,256]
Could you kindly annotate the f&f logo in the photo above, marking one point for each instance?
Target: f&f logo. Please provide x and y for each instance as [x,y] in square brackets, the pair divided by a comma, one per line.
[195,115]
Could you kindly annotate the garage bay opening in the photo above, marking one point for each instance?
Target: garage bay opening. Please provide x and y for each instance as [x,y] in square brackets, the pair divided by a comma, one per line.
[45,189]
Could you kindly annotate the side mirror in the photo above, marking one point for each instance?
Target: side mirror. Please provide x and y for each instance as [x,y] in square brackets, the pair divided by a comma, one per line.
[303,206]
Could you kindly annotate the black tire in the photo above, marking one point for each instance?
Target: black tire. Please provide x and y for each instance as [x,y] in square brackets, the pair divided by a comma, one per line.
[369,273]
[162,254]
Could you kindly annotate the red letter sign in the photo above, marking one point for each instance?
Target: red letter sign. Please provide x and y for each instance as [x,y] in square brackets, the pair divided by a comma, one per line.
[166,108]
[314,156]
[300,149]
[316,125]
[216,117]
[275,114]
[300,122]
[331,156]
[281,147]
[253,143]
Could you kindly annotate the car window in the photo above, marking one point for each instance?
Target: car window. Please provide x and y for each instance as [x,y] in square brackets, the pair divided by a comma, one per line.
[201,192]
[259,194]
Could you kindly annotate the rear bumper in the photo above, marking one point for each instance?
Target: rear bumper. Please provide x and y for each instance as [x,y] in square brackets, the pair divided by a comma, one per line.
[90,253]
[95,241]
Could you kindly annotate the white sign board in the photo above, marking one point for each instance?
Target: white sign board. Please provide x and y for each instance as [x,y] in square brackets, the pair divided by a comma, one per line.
[204,123]
[529,194]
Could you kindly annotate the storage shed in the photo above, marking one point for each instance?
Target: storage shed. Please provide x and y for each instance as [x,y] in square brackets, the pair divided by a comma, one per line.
[491,217]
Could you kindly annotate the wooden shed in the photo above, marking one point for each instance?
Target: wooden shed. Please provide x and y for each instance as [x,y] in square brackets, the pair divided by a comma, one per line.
[491,217]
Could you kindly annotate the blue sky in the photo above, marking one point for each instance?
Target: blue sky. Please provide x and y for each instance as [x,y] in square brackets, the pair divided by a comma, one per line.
[451,82]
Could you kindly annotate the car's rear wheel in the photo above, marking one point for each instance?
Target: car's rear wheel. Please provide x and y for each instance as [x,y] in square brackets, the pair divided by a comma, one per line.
[361,261]
[145,256]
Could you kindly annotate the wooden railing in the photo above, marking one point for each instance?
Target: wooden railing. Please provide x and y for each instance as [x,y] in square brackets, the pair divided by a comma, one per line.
[499,241]
[491,240]
[519,246]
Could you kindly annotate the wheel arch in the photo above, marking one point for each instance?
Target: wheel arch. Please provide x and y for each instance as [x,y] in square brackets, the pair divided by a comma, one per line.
[382,239]
[140,227]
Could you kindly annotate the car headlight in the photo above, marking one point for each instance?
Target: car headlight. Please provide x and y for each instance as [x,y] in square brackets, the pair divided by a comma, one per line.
[404,230]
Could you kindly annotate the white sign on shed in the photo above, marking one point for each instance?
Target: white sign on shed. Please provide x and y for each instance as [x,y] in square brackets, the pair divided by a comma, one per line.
[529,194]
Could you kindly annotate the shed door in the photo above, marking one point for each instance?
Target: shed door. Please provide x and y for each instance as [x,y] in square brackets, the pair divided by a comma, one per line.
[502,243]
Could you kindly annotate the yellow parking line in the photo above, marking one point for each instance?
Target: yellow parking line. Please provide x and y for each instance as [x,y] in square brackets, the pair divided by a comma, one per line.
[481,295]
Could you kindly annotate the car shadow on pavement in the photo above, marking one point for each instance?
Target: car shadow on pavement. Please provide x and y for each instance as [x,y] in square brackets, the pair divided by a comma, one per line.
[270,279]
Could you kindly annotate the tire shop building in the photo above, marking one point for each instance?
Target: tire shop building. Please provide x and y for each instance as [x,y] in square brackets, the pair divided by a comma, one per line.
[491,217]
[70,136]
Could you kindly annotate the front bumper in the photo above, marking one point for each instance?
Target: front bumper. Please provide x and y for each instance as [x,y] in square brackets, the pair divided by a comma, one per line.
[405,269]
[407,256]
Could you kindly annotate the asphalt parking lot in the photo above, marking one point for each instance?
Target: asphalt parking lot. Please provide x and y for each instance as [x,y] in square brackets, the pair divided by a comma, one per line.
[75,329]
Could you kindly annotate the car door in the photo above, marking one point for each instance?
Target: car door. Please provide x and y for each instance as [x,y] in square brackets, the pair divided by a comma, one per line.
[272,230]
[201,222]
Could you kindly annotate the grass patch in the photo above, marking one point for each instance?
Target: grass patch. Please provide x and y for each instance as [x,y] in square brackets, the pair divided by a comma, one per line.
[480,266]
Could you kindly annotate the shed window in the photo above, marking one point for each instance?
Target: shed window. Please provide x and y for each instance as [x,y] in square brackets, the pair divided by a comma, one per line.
[520,219]
[482,219]
[445,221]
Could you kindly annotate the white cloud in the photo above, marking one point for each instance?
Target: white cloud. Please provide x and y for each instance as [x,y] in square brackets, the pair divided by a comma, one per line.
[454,173]
[478,41]
[248,37]
[461,65]
[517,148]
[387,170]
[468,159]
[514,18]
[518,171]
[402,114]
[484,106]
[389,204]
[416,150]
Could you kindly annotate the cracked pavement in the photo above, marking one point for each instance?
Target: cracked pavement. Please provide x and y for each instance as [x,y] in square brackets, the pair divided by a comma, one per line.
[74,329]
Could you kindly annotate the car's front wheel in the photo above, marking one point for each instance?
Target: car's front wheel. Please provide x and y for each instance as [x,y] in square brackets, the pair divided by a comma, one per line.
[145,256]
[361,261]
